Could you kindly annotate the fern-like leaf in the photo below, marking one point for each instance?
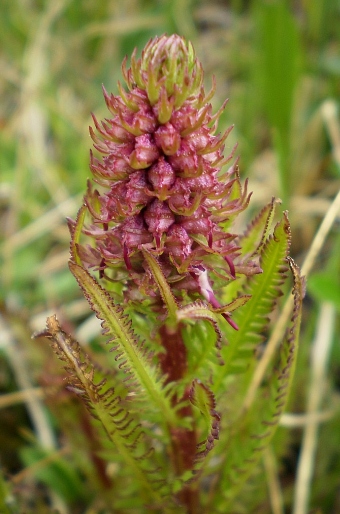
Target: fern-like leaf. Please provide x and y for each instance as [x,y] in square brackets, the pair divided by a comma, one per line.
[163,286]
[251,243]
[75,228]
[122,429]
[200,310]
[253,431]
[131,355]
[258,231]
[203,398]
[264,288]
[291,339]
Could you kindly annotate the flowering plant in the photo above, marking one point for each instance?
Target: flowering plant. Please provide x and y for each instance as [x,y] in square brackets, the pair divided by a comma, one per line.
[184,300]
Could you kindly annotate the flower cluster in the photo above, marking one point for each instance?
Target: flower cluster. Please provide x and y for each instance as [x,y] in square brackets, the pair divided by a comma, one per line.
[160,179]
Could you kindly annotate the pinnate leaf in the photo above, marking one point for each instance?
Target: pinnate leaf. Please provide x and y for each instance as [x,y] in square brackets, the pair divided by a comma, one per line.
[265,289]
[254,429]
[122,429]
[134,359]
[203,398]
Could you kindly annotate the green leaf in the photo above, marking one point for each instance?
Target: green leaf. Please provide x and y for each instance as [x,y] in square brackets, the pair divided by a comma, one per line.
[251,243]
[278,41]
[254,429]
[264,288]
[200,310]
[203,399]
[122,429]
[277,71]
[291,338]
[161,282]
[324,286]
[258,231]
[238,200]
[131,355]
[232,306]
[201,339]
[75,231]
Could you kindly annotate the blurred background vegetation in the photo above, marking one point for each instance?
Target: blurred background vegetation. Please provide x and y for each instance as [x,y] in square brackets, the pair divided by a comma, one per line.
[279,63]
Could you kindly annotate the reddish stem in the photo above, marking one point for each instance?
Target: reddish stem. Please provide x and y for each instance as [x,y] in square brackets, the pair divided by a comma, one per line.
[184,441]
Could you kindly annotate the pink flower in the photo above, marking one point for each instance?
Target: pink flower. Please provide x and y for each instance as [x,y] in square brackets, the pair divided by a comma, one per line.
[161,186]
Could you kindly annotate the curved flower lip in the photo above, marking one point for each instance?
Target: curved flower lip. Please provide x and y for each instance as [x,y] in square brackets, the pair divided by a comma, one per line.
[159,218]
[167,139]
[200,274]
[144,154]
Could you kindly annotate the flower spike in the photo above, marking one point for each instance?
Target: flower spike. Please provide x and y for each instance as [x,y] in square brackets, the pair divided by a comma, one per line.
[163,192]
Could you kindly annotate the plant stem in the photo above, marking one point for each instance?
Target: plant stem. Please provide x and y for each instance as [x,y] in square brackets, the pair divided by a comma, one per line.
[183,440]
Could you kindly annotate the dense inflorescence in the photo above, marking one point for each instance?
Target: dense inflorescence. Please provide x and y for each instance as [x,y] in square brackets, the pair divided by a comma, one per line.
[161,183]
